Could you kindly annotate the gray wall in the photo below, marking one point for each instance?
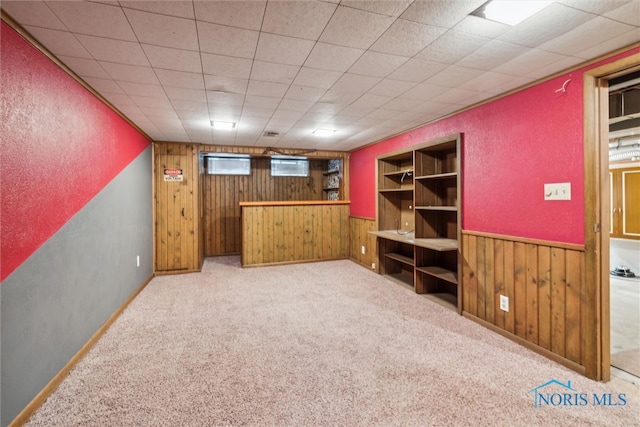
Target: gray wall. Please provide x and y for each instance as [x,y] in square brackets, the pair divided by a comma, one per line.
[59,297]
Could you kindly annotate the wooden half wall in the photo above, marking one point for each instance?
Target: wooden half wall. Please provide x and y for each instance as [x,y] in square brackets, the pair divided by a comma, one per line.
[545,284]
[290,232]
[359,237]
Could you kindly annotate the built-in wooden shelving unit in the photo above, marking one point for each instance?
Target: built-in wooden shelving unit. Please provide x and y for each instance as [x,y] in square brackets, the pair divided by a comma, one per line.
[419,218]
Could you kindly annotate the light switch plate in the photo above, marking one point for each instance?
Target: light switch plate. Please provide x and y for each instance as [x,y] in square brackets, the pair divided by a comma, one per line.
[557,191]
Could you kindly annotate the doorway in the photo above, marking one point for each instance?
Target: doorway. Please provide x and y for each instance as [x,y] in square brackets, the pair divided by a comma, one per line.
[598,209]
[624,243]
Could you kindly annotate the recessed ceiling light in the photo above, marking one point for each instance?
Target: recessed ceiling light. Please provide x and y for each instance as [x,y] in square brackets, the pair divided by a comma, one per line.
[510,12]
[223,125]
[323,132]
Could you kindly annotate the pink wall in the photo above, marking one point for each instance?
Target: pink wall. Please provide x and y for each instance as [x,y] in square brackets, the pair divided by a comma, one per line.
[511,147]
[60,147]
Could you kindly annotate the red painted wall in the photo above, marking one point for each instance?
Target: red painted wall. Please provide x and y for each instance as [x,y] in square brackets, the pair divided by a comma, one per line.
[60,147]
[511,148]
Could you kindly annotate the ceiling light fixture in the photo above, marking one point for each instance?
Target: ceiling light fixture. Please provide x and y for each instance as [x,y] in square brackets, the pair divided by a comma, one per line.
[510,12]
[323,132]
[223,125]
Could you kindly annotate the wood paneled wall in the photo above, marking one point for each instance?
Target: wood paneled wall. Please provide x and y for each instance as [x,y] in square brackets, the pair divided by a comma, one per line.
[222,193]
[296,232]
[545,284]
[178,246]
[359,236]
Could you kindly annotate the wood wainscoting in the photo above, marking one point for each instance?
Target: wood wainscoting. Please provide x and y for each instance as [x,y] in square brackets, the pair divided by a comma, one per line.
[360,236]
[290,232]
[545,282]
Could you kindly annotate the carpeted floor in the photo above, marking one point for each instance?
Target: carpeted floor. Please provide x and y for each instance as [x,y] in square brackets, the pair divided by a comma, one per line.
[318,344]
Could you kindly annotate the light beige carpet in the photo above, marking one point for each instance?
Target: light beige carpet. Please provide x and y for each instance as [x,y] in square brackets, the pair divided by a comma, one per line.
[628,361]
[317,344]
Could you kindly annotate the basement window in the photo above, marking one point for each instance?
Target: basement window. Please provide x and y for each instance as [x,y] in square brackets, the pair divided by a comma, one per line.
[228,164]
[289,166]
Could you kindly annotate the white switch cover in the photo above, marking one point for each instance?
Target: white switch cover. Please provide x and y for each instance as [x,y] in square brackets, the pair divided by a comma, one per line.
[557,191]
[504,303]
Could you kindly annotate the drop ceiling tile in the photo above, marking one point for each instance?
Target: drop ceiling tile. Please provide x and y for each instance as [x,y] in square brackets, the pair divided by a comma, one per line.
[110,50]
[406,38]
[131,111]
[180,79]
[383,114]
[304,93]
[440,13]
[371,101]
[629,13]
[452,76]
[185,106]
[94,19]
[154,113]
[339,98]
[130,73]
[623,40]
[84,67]
[355,83]
[225,110]
[529,61]
[313,77]
[417,70]
[145,101]
[325,107]
[580,38]
[270,72]
[255,111]
[104,85]
[242,14]
[282,49]
[333,58]
[229,41]
[179,93]
[59,42]
[547,70]
[455,96]
[424,91]
[301,106]
[491,55]
[139,89]
[391,88]
[355,28]
[271,89]
[33,13]
[516,83]
[451,47]
[217,98]
[431,108]
[179,8]
[225,84]
[225,66]
[303,19]
[377,64]
[549,23]
[287,114]
[162,30]
[402,104]
[382,7]
[487,82]
[173,59]
[481,27]
[597,7]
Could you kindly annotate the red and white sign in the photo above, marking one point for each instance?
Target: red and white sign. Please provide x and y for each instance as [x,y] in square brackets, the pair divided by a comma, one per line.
[173,174]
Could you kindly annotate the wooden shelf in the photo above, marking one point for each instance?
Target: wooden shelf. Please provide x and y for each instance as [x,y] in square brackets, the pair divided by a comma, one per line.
[399,257]
[437,244]
[437,208]
[398,173]
[395,190]
[440,273]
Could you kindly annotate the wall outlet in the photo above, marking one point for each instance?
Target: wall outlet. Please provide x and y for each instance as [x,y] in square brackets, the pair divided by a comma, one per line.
[373,265]
[362,249]
[138,261]
[504,303]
